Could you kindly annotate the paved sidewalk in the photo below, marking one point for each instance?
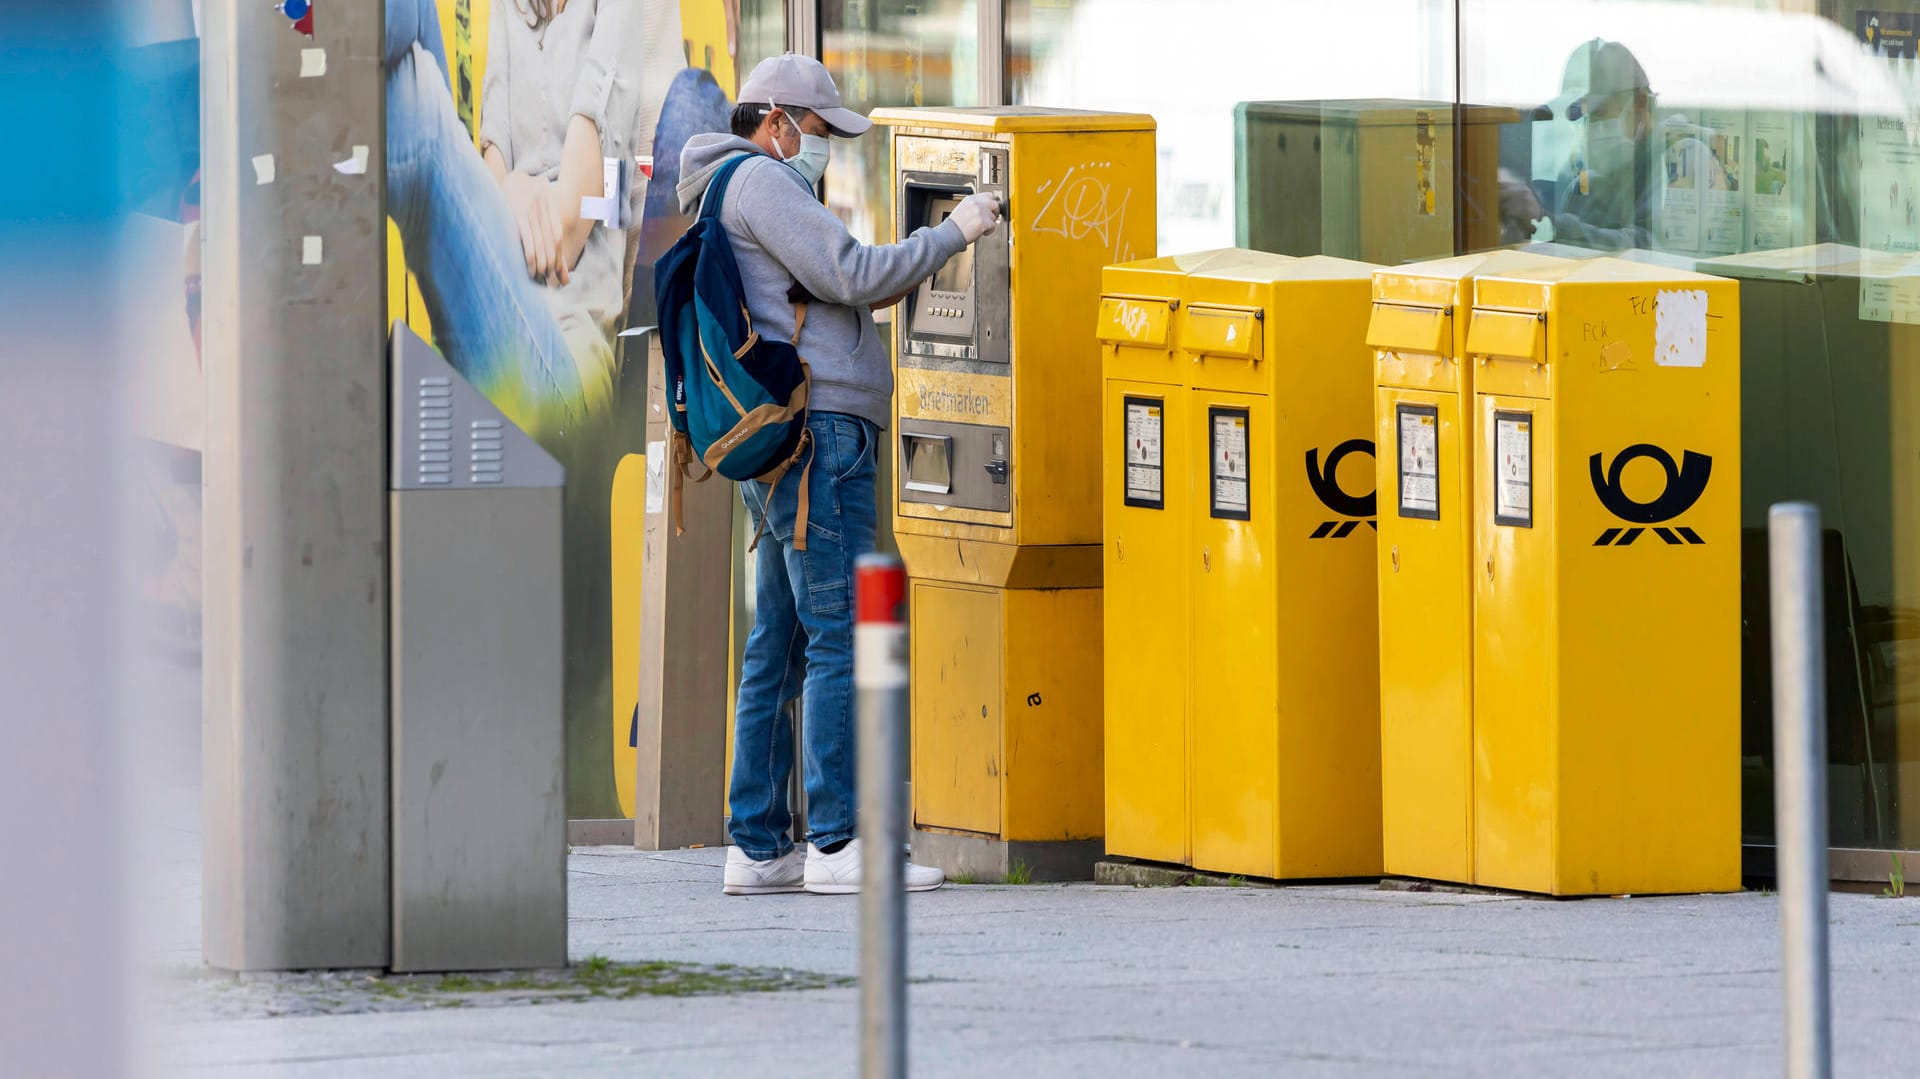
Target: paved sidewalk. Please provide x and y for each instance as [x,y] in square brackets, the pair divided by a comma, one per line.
[1076,980]
[1081,980]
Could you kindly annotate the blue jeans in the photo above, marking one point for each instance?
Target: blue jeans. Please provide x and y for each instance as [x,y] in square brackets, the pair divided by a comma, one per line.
[490,317]
[802,639]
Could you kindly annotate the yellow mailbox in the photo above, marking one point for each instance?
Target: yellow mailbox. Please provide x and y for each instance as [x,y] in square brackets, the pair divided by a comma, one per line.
[1144,514]
[997,467]
[1606,576]
[1243,716]
[1422,404]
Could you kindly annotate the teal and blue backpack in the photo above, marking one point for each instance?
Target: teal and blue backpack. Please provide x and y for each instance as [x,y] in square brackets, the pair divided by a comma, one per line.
[739,400]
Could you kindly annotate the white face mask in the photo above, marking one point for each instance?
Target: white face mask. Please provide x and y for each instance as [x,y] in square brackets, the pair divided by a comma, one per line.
[1609,150]
[811,159]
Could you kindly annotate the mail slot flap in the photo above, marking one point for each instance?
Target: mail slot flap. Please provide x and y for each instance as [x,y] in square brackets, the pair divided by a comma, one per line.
[1127,320]
[1399,328]
[1222,331]
[1519,334]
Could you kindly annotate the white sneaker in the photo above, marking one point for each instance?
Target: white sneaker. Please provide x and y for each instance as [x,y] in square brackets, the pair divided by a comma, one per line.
[839,874]
[748,877]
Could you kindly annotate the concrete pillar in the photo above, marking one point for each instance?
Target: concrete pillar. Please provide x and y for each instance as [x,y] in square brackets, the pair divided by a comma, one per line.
[294,743]
[680,794]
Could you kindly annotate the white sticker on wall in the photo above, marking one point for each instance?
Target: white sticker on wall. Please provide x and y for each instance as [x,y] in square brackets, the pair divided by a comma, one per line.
[310,250]
[1680,328]
[355,165]
[313,63]
[656,477]
[263,168]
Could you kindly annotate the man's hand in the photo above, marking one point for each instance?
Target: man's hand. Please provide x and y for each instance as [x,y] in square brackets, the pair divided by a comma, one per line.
[534,209]
[977,214]
[1519,205]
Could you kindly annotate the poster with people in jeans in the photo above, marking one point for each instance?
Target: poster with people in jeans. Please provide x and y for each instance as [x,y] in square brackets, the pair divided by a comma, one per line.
[501,117]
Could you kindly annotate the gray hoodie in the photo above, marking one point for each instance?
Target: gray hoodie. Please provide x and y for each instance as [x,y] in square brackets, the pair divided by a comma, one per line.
[781,234]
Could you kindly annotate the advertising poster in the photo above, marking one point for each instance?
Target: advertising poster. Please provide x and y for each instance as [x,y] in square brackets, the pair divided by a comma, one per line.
[1778,185]
[501,115]
[1676,212]
[1701,208]
[1889,206]
[1892,34]
[1889,203]
[1723,203]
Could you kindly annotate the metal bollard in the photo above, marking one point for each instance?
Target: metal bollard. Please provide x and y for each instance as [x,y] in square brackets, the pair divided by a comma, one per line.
[880,676]
[1800,782]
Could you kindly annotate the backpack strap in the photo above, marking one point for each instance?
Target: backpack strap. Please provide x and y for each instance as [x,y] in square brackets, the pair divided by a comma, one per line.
[805,445]
[772,477]
[678,471]
[710,204]
[716,191]
[683,456]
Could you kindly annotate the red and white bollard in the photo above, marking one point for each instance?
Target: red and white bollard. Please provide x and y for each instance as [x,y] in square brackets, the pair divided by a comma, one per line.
[880,678]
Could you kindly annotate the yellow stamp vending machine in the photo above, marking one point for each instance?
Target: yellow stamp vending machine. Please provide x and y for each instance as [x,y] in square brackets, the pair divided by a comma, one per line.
[1606,575]
[1243,709]
[1422,406]
[997,467]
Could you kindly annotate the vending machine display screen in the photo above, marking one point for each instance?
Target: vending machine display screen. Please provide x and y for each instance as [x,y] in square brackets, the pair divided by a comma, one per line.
[943,305]
[956,277]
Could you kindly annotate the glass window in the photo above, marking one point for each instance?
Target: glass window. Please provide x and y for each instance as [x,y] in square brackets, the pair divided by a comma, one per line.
[1787,162]
[760,32]
[1212,71]
[892,52]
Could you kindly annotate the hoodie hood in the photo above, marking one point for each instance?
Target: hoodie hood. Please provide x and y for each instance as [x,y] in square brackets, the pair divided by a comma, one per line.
[702,157]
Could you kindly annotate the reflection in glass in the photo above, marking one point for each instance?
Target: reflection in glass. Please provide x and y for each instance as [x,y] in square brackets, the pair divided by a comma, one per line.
[762,32]
[1190,64]
[1374,180]
[1788,164]
[891,52]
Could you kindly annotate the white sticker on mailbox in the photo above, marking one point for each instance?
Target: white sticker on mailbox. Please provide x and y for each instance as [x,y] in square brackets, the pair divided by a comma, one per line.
[1230,486]
[1419,461]
[1144,454]
[1513,469]
[1680,327]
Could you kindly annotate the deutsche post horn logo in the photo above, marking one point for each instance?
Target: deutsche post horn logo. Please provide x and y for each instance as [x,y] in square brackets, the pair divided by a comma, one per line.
[1326,487]
[1685,483]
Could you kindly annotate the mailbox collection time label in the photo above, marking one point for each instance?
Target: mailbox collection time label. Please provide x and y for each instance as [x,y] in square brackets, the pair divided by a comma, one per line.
[1513,469]
[1229,453]
[1419,461]
[1143,452]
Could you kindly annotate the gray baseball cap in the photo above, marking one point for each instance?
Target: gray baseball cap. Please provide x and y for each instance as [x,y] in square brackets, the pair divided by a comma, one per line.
[792,79]
[1597,70]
